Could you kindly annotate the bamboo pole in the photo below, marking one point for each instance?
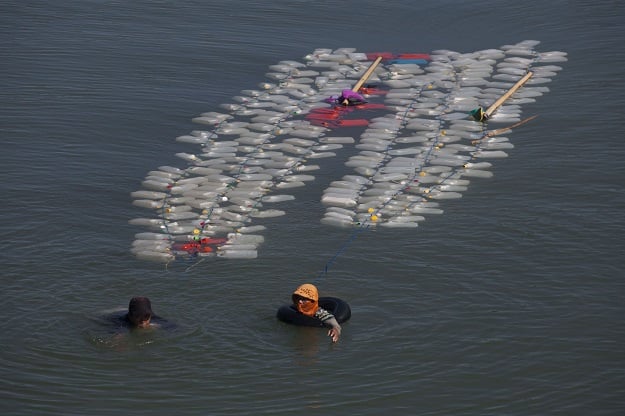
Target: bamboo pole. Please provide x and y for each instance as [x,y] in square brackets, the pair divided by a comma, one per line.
[506,129]
[502,130]
[507,95]
[367,74]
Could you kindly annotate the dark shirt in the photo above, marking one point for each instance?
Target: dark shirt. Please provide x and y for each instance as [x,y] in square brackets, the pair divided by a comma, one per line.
[121,322]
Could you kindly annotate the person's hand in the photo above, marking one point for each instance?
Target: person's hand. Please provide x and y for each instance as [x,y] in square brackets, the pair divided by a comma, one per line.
[334,333]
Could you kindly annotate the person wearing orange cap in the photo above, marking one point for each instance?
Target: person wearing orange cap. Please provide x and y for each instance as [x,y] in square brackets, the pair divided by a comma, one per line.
[306,301]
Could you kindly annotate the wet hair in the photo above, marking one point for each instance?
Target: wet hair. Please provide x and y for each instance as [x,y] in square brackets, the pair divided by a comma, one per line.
[139,309]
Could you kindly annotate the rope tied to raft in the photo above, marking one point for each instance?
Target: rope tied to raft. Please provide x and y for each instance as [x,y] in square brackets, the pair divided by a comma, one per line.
[353,236]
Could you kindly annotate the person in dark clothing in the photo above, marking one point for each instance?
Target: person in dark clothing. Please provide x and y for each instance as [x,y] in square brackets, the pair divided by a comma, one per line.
[139,316]
[139,312]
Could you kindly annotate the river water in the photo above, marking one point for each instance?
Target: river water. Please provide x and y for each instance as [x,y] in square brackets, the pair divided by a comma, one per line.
[511,302]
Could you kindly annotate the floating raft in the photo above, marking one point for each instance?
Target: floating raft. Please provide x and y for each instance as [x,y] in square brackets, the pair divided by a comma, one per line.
[413,145]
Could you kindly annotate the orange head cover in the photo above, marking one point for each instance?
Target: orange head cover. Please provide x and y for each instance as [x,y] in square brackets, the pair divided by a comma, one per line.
[309,292]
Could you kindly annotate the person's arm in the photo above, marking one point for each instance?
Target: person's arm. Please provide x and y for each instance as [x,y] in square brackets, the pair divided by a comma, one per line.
[328,319]
[335,331]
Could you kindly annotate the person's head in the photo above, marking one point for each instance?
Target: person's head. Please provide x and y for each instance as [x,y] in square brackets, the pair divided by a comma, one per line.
[306,299]
[140,311]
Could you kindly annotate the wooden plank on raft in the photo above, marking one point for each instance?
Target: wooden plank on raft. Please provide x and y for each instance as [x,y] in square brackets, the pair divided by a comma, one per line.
[367,74]
[507,95]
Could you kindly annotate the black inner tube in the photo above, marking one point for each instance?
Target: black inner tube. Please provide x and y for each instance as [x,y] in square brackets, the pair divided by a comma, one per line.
[337,307]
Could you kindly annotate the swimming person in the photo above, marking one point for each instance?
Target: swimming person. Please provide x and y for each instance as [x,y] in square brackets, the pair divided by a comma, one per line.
[139,312]
[306,301]
[131,327]
[139,316]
